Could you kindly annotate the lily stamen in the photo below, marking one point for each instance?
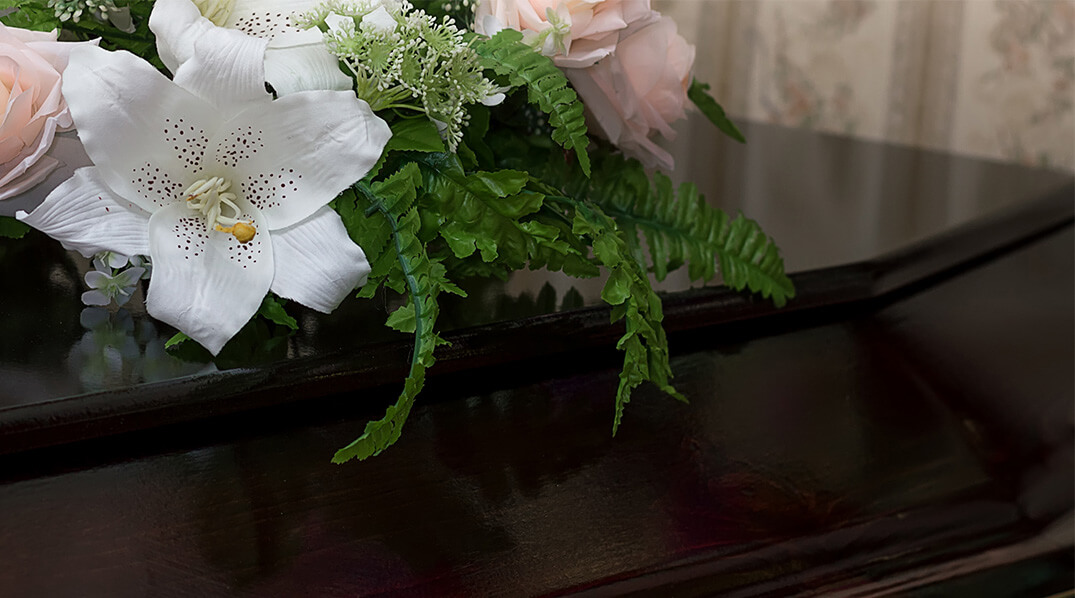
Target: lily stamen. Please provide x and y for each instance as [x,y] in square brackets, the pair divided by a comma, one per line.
[242,231]
[210,198]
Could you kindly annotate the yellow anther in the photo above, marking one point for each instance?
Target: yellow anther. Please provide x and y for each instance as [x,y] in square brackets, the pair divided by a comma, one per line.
[242,231]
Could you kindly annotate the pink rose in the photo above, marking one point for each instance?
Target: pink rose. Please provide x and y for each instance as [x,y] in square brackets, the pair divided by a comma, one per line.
[574,33]
[34,108]
[639,90]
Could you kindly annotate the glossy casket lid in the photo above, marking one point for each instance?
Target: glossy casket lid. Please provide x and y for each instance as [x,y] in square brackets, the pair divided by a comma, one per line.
[855,220]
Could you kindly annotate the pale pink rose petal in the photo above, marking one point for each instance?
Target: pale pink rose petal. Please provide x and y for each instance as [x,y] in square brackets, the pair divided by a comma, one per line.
[20,109]
[594,25]
[40,168]
[603,105]
[31,64]
[636,93]
[8,34]
[586,52]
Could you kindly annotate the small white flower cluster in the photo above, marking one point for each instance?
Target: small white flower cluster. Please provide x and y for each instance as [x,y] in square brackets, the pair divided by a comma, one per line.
[72,10]
[403,58]
[109,282]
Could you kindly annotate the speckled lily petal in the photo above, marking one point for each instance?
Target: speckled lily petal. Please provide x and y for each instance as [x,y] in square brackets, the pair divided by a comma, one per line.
[206,283]
[146,135]
[317,264]
[201,56]
[292,157]
[84,215]
[266,18]
[299,62]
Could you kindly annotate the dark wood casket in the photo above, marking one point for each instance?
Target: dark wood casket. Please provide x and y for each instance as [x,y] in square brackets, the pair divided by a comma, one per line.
[904,426]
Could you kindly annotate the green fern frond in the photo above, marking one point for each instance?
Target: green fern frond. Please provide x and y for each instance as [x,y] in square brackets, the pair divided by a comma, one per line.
[644,344]
[546,86]
[750,259]
[488,213]
[681,228]
[392,202]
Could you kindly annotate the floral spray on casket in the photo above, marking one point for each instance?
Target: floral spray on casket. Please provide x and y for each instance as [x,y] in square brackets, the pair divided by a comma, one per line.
[255,152]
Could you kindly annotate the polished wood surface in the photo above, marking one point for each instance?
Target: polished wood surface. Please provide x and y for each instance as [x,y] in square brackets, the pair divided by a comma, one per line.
[910,432]
[811,460]
[882,219]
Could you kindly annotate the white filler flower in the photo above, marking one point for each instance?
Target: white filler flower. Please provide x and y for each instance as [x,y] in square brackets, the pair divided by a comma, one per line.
[106,285]
[224,189]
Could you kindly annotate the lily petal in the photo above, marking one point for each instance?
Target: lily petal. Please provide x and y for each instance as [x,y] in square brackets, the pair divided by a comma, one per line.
[206,283]
[317,264]
[227,69]
[162,128]
[266,18]
[176,23]
[294,63]
[223,66]
[322,142]
[84,215]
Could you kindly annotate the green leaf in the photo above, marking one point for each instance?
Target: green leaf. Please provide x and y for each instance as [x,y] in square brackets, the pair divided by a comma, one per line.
[474,136]
[374,234]
[546,86]
[272,308]
[29,14]
[176,339]
[485,212]
[644,344]
[749,259]
[402,319]
[392,203]
[562,250]
[466,156]
[12,229]
[416,135]
[699,94]
[618,287]
[679,228]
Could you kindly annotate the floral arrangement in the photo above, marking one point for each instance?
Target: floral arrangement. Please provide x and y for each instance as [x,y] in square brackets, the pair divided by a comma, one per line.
[246,154]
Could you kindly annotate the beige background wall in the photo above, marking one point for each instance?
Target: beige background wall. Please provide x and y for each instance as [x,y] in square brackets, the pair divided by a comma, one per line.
[993,78]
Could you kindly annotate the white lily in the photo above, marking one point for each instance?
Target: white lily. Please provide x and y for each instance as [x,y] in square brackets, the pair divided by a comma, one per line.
[226,192]
[295,59]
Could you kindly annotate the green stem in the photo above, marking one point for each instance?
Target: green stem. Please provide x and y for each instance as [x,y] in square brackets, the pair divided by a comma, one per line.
[405,265]
[622,215]
[573,203]
[405,106]
[565,201]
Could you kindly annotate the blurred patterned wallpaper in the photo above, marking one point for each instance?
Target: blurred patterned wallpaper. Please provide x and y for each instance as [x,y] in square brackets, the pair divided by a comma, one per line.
[992,78]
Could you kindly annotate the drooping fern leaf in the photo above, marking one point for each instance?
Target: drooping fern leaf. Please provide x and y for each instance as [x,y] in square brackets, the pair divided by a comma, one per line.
[748,258]
[682,228]
[546,86]
[699,94]
[392,203]
[644,344]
